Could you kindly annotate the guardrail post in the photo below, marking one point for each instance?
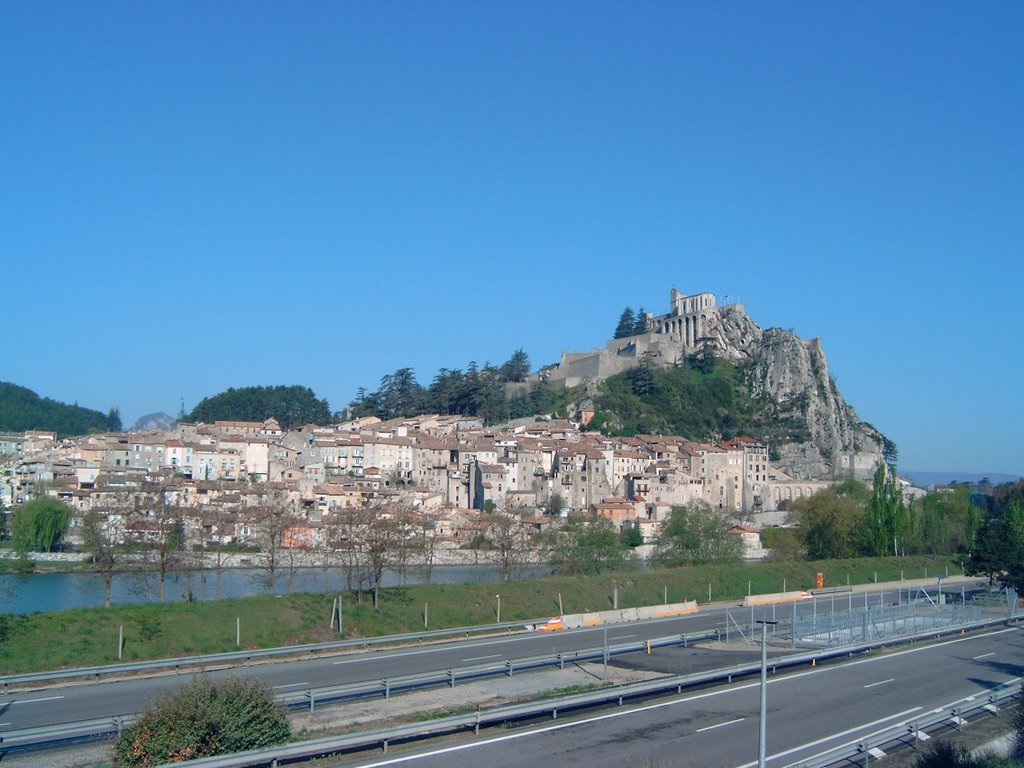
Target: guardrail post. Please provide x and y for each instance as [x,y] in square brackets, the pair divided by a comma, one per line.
[312,700]
[387,689]
[451,677]
[561,661]
[385,745]
[509,665]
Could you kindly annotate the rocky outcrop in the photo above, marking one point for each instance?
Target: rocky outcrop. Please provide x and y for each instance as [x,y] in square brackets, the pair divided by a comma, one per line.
[818,435]
[158,420]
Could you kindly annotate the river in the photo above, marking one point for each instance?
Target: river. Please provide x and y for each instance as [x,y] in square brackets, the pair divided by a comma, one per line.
[61,591]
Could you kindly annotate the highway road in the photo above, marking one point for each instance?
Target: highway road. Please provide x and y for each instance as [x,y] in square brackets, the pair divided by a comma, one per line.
[26,709]
[810,712]
[127,696]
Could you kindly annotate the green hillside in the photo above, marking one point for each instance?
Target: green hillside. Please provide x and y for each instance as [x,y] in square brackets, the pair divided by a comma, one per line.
[22,409]
[701,400]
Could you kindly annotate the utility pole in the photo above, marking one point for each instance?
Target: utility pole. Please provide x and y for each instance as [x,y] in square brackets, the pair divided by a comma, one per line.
[762,736]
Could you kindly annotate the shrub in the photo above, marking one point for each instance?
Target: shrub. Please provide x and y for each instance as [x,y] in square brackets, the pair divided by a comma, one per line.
[203,719]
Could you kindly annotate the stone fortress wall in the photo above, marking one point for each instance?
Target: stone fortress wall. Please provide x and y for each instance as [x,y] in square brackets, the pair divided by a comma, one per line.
[669,338]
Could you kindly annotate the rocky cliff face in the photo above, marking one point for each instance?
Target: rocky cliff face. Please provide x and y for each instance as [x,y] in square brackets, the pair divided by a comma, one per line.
[823,437]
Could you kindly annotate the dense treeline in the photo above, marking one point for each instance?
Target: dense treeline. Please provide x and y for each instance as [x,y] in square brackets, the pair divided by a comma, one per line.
[291,406]
[477,391]
[851,520]
[22,409]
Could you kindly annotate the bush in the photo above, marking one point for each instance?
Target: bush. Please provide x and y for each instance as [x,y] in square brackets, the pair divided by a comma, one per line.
[956,755]
[203,719]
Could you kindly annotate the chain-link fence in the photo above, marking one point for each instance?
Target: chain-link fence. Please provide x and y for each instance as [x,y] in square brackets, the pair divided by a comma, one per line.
[844,618]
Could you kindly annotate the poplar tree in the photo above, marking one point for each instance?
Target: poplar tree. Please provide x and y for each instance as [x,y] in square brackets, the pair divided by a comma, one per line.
[887,513]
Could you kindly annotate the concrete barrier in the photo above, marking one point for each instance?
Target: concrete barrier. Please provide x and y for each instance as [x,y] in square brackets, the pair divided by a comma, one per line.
[599,618]
[777,597]
[675,609]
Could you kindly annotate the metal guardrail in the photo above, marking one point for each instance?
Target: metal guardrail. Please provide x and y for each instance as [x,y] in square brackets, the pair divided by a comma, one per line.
[912,730]
[26,738]
[450,677]
[244,656]
[49,735]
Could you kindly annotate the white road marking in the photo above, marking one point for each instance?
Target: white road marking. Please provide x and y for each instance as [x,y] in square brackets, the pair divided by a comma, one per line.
[880,682]
[873,659]
[481,658]
[33,701]
[720,725]
[622,637]
[659,705]
[290,685]
[557,727]
[834,736]
[984,655]
[450,649]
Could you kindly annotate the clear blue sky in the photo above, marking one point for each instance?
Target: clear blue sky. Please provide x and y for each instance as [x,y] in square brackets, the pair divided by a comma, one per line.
[197,195]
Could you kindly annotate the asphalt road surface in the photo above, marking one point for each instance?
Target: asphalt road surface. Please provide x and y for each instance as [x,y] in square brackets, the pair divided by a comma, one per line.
[810,712]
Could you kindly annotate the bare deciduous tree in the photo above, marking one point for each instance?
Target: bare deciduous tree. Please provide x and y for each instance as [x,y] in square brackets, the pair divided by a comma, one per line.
[383,537]
[163,530]
[269,523]
[105,538]
[427,540]
[510,539]
[345,536]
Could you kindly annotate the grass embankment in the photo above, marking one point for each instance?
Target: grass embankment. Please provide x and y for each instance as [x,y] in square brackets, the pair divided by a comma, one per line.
[89,636]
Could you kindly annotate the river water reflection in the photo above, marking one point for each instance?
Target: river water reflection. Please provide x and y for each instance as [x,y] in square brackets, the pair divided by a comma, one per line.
[60,591]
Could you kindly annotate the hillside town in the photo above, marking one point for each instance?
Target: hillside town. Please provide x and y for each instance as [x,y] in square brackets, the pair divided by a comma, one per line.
[447,469]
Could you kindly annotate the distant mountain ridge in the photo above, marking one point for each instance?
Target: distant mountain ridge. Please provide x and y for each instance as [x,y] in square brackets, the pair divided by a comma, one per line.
[922,479]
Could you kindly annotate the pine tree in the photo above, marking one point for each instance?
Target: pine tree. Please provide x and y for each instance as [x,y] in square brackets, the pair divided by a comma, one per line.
[640,324]
[627,322]
[516,367]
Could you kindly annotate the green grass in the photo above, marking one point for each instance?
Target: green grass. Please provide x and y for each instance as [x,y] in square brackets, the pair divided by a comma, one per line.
[437,714]
[88,636]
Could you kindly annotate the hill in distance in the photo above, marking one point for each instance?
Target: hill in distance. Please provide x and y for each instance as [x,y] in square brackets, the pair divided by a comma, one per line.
[22,409]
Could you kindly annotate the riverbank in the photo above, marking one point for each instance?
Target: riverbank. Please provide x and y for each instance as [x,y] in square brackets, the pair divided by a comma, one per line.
[56,562]
[89,636]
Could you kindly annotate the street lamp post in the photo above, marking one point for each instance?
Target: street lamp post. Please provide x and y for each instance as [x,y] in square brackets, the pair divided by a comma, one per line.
[762,735]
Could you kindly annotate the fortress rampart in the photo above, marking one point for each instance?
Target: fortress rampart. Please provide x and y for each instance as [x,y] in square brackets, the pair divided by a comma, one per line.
[668,339]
